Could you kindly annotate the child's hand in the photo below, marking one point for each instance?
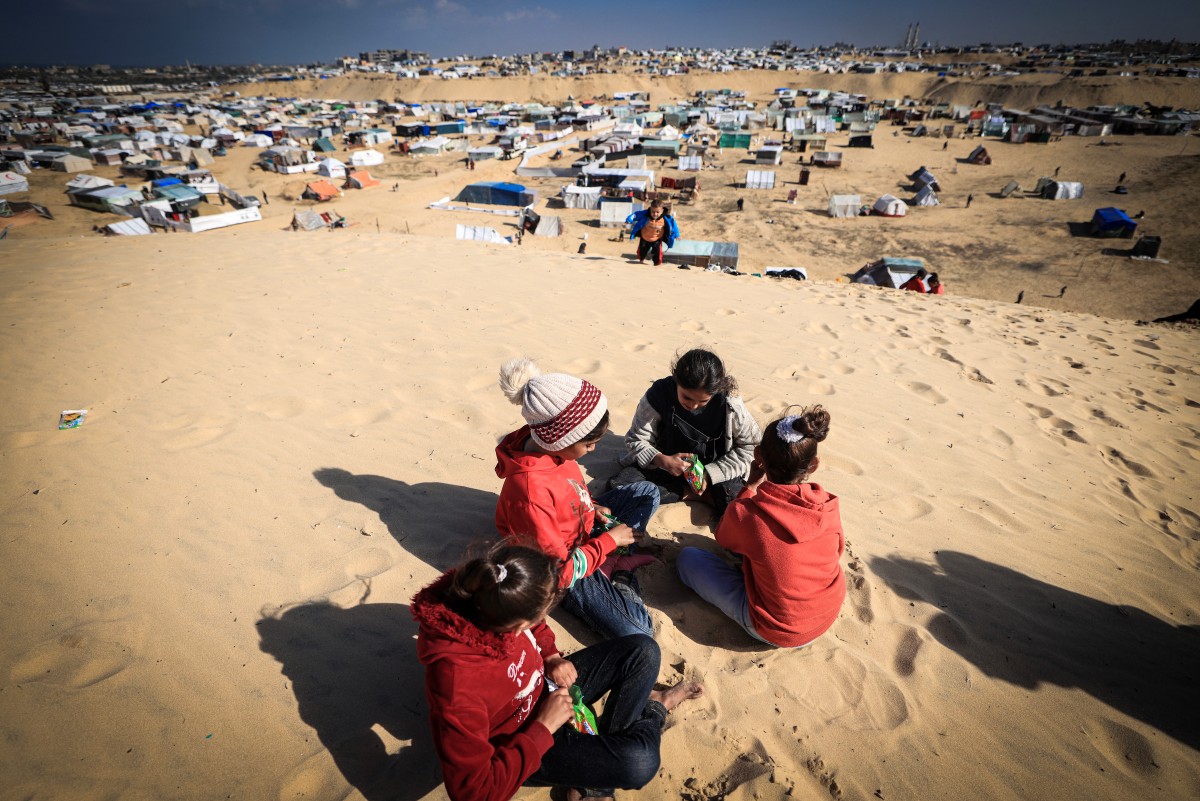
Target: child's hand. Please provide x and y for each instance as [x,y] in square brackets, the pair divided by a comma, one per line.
[556,710]
[603,510]
[622,535]
[676,465]
[561,671]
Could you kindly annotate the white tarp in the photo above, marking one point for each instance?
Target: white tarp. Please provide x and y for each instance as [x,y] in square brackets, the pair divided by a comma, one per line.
[548,225]
[366,158]
[479,233]
[581,197]
[134,227]
[926,197]
[83,182]
[331,168]
[11,182]
[760,179]
[691,163]
[612,215]
[844,205]
[1063,190]
[890,206]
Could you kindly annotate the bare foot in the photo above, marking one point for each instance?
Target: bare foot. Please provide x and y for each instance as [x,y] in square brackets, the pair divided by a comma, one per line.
[674,696]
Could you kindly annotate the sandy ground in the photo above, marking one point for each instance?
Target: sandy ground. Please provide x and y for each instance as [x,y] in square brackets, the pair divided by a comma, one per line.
[288,435]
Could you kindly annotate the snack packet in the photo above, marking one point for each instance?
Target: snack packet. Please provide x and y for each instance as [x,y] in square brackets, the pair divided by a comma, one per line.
[584,721]
[607,523]
[71,418]
[695,474]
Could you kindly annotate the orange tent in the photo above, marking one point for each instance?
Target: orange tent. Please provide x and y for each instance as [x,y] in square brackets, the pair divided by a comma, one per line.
[321,191]
[360,179]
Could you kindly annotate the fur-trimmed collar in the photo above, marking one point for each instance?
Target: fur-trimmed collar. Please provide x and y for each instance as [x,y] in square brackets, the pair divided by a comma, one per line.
[454,633]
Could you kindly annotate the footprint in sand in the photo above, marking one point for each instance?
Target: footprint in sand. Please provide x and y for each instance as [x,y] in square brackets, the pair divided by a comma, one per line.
[858,698]
[81,656]
[908,508]
[1101,341]
[1102,416]
[841,368]
[924,391]
[843,464]
[858,589]
[1117,459]
[905,658]
[973,374]
[279,407]
[636,346]
[693,326]
[203,431]
[583,367]
[997,436]
[1050,387]
[726,312]
[351,570]
[315,777]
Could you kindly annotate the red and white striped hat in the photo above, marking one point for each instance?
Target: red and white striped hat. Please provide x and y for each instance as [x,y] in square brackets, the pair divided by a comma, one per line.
[560,409]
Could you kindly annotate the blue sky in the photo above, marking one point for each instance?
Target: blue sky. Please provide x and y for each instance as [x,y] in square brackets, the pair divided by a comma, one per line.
[124,32]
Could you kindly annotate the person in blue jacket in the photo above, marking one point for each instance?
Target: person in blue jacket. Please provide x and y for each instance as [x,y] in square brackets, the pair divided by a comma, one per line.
[653,228]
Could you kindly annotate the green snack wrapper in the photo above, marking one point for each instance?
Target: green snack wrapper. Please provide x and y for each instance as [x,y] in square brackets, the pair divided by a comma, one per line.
[695,474]
[584,721]
[611,523]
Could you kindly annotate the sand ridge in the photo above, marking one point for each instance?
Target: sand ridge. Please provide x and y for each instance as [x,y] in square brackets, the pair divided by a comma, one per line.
[289,435]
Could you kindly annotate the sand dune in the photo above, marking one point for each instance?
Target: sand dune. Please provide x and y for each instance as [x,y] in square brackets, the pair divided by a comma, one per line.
[207,583]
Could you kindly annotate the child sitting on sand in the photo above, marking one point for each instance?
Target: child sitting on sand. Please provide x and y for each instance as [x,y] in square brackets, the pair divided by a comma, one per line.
[693,412]
[498,688]
[788,532]
[545,497]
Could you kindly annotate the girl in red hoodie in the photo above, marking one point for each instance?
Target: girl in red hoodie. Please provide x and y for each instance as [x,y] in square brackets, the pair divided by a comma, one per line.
[497,686]
[544,498]
[788,532]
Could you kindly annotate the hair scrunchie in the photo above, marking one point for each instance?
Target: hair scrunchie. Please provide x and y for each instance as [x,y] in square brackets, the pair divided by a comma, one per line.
[786,432]
[501,573]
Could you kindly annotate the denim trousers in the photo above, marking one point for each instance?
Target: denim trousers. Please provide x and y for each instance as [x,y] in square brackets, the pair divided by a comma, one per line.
[721,584]
[625,754]
[615,609]
[672,488]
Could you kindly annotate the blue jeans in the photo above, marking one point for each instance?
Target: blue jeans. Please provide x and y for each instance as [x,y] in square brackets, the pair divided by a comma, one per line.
[625,754]
[615,608]
[719,583]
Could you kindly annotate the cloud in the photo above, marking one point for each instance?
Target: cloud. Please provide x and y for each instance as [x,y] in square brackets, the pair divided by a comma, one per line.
[537,13]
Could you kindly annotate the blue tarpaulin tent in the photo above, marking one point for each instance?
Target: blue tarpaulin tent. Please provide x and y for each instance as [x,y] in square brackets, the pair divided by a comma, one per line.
[1112,222]
[496,193]
[888,271]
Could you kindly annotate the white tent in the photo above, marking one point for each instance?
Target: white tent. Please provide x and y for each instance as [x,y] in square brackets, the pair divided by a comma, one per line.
[581,197]
[332,168]
[11,182]
[612,215]
[690,163]
[429,147]
[257,140]
[549,225]
[844,205]
[86,182]
[1063,190]
[890,206]
[760,179]
[479,233]
[926,197]
[366,158]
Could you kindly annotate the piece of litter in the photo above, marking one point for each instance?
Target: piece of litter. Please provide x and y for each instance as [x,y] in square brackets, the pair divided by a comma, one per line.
[71,418]
[208,737]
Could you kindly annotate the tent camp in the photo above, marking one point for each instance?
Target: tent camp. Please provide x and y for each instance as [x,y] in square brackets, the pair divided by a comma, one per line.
[890,206]
[613,211]
[496,193]
[1062,190]
[360,179]
[10,182]
[844,205]
[105,198]
[926,197]
[581,197]
[888,272]
[979,156]
[1113,222]
[760,179]
[320,191]
[548,225]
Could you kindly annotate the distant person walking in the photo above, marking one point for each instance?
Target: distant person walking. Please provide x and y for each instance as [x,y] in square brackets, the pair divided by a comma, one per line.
[945,145]
[1021,296]
[1121,180]
[969,199]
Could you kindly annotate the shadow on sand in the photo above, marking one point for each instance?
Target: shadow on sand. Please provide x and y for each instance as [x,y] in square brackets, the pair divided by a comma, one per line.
[352,670]
[1027,632]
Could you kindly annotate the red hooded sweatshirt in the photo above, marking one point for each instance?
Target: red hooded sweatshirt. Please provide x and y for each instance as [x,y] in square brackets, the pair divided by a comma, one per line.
[483,691]
[546,498]
[790,537]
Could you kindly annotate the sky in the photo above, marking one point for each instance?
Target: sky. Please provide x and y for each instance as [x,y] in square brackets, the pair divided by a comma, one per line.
[213,32]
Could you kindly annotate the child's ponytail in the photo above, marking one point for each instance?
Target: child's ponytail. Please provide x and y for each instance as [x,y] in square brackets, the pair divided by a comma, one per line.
[510,584]
[789,445]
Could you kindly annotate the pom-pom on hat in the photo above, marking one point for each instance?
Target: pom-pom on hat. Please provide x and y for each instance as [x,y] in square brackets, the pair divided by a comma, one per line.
[560,409]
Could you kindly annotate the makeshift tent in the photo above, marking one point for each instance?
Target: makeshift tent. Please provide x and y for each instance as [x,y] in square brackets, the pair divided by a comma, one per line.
[862,140]
[581,197]
[331,168]
[690,163]
[323,145]
[366,158]
[923,177]
[479,233]
[760,179]
[920,130]
[105,198]
[735,140]
[484,153]
[69,163]
[10,182]
[80,182]
[1112,222]
[844,205]
[926,197]
[827,158]
[769,154]
[613,211]
[890,206]
[548,225]
[888,272]
[1009,188]
[979,156]
[1147,247]
[360,179]
[308,220]
[496,193]
[697,253]
[1062,190]
[320,191]
[135,227]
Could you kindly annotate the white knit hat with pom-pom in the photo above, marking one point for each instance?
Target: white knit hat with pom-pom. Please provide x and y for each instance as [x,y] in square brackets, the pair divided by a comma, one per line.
[560,409]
